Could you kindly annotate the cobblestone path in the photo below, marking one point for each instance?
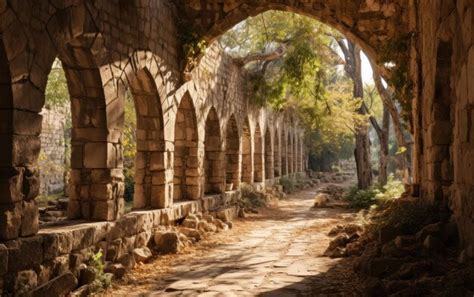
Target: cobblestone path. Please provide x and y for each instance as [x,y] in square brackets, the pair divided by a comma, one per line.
[277,253]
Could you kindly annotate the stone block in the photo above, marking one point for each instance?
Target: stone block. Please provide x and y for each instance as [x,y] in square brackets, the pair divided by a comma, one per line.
[30,218]
[59,286]
[104,210]
[157,161]
[10,221]
[29,250]
[11,184]
[160,196]
[25,149]
[3,260]
[101,192]
[82,237]
[55,244]
[95,155]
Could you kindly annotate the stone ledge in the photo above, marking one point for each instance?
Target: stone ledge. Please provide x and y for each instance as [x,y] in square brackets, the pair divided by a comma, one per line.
[62,248]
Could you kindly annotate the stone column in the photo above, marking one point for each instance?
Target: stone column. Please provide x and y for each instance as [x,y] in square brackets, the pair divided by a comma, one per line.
[97,187]
[20,127]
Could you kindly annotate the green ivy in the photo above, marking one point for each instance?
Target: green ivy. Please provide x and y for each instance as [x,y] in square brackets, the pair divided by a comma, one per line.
[397,51]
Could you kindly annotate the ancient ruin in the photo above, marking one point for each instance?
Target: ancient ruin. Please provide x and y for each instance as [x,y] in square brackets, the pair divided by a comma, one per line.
[199,137]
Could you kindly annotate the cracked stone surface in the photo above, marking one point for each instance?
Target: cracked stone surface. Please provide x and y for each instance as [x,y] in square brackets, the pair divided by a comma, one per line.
[278,254]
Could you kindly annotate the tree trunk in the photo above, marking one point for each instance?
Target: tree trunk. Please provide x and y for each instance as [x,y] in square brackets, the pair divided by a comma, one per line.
[362,142]
[397,126]
[384,153]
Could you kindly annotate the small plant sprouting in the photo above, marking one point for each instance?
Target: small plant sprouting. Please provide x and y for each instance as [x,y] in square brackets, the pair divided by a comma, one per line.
[102,279]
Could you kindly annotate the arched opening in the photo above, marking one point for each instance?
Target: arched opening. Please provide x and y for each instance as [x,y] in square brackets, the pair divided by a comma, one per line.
[54,160]
[232,154]
[258,156]
[213,155]
[276,154]
[269,172]
[284,153]
[143,142]
[246,154]
[290,153]
[186,167]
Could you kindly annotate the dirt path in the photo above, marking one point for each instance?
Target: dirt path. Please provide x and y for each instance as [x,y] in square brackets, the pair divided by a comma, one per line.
[275,253]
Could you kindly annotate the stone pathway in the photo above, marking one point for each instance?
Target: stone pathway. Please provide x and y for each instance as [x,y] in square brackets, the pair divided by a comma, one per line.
[280,255]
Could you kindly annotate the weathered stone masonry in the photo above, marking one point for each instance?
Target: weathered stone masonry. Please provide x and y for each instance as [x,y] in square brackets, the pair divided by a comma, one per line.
[107,47]
[190,133]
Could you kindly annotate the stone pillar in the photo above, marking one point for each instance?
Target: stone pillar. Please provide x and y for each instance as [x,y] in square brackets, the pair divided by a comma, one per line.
[97,182]
[20,127]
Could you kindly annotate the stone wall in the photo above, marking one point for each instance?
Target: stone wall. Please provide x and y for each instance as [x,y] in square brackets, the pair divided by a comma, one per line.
[52,159]
[57,252]
[446,57]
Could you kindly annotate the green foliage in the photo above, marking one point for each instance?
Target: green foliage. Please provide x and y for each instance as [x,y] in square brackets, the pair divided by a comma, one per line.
[375,195]
[129,144]
[361,198]
[56,93]
[305,79]
[102,280]
[289,184]
[396,51]
[392,190]
[193,46]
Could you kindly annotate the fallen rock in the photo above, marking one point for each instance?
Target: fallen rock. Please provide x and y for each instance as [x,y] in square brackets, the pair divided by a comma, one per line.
[83,291]
[336,230]
[142,254]
[128,261]
[167,242]
[189,223]
[208,218]
[87,275]
[117,269]
[432,229]
[59,286]
[321,200]
[433,244]
[220,225]
[191,233]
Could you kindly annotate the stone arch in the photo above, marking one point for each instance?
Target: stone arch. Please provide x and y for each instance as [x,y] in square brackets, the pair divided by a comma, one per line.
[213,155]
[186,165]
[258,156]
[269,151]
[276,153]
[232,153]
[284,152]
[247,162]
[150,157]
[366,23]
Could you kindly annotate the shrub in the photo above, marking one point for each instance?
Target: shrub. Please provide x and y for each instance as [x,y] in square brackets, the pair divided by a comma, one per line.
[289,184]
[392,190]
[375,194]
[360,198]
[251,197]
